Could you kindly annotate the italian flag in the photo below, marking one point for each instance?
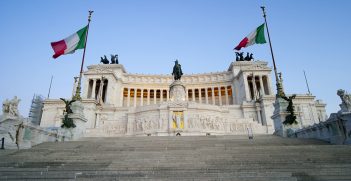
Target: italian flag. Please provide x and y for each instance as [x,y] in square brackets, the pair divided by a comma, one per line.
[255,37]
[70,44]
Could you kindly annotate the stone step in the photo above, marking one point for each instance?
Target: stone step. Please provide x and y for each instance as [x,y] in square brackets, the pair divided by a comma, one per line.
[180,158]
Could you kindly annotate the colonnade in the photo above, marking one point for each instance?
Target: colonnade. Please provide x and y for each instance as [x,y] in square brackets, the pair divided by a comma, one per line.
[97,89]
[219,95]
[257,85]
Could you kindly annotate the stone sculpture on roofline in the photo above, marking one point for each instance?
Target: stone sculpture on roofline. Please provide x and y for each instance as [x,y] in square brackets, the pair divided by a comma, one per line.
[114,59]
[240,56]
[10,107]
[345,100]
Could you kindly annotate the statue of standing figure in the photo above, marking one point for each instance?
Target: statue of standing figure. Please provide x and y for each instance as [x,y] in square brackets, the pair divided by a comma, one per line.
[177,71]
[345,100]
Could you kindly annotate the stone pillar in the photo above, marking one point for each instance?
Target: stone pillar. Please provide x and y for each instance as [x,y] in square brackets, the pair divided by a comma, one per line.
[128,98]
[226,95]
[261,85]
[220,95]
[200,101]
[186,95]
[167,95]
[270,91]
[254,87]
[148,97]
[247,89]
[161,95]
[213,97]
[93,89]
[155,96]
[193,92]
[135,96]
[142,97]
[206,95]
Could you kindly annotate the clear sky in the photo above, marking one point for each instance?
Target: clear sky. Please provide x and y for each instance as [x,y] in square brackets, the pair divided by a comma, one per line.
[149,35]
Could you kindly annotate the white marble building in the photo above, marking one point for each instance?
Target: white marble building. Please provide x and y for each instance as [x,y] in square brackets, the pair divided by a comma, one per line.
[117,103]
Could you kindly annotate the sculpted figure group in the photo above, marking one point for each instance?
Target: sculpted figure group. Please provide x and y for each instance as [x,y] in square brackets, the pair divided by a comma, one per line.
[10,107]
[240,56]
[114,59]
[345,100]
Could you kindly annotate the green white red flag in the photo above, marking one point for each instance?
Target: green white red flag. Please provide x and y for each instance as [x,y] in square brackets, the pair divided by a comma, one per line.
[255,37]
[70,44]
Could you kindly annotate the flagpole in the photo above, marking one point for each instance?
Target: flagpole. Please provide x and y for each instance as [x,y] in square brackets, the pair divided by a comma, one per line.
[279,88]
[50,86]
[77,96]
[308,87]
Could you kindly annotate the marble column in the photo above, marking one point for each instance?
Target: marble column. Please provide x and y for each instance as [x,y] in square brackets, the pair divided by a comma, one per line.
[193,94]
[247,89]
[261,85]
[142,97]
[161,95]
[220,95]
[148,96]
[128,98]
[254,88]
[206,95]
[200,98]
[226,95]
[167,95]
[135,96]
[213,97]
[155,96]
[93,89]
[270,91]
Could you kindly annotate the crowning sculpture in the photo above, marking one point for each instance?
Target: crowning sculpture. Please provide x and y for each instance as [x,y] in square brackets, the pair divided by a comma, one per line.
[114,59]
[240,56]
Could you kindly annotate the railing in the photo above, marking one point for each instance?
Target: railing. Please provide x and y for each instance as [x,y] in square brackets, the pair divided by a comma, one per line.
[2,143]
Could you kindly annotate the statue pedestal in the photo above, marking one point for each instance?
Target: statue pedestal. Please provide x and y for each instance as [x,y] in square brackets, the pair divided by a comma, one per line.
[177,91]
[279,116]
[177,106]
[78,119]
[12,129]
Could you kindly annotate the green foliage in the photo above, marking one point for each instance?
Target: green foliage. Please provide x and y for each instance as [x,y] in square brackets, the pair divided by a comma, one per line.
[67,122]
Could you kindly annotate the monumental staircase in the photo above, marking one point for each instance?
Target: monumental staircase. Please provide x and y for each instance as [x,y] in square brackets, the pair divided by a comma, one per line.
[265,157]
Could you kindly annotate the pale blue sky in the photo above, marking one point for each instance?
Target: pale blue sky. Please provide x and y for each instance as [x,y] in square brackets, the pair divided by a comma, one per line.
[149,35]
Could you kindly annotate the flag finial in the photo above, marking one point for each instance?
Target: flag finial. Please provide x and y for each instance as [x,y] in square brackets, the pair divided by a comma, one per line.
[89,17]
[264,12]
